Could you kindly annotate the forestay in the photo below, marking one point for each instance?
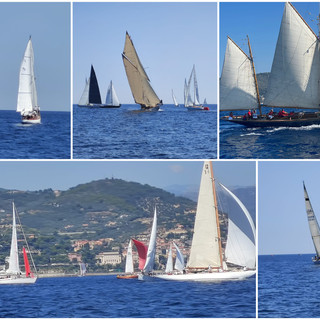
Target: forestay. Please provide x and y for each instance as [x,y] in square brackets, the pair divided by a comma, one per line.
[237,84]
[295,75]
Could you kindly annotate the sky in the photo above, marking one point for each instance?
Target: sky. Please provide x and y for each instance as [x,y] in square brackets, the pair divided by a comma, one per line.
[61,175]
[283,224]
[49,26]
[169,39]
[261,22]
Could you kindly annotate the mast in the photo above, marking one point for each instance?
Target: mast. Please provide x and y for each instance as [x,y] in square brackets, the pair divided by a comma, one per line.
[255,76]
[217,215]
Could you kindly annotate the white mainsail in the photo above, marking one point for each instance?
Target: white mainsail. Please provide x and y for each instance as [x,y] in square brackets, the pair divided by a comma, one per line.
[169,265]
[313,223]
[188,101]
[14,256]
[27,93]
[84,100]
[129,260]
[237,82]
[205,248]
[179,265]
[295,77]
[138,80]
[174,99]
[112,98]
[148,267]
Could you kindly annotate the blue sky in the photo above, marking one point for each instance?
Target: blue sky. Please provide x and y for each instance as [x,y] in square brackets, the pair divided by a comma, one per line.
[283,225]
[38,175]
[169,39]
[261,22]
[49,26]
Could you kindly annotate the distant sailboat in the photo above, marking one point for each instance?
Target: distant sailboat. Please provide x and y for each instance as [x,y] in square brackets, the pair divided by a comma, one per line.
[150,258]
[175,102]
[139,82]
[313,225]
[189,102]
[27,103]
[169,265]
[91,94]
[179,264]
[83,269]
[13,274]
[129,269]
[206,261]
[112,100]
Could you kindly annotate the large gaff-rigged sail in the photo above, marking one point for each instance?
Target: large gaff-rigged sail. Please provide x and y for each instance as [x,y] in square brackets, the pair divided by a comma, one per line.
[142,252]
[27,93]
[14,257]
[313,223]
[139,82]
[237,84]
[206,247]
[240,249]
[152,245]
[129,260]
[295,75]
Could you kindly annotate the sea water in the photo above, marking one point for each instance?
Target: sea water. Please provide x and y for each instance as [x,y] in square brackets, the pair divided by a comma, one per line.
[129,133]
[239,142]
[107,296]
[48,140]
[288,287]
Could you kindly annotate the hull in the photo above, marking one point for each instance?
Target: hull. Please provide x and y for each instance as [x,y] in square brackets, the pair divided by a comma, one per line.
[150,108]
[316,260]
[109,106]
[17,280]
[90,105]
[35,120]
[307,120]
[127,276]
[208,277]
[197,108]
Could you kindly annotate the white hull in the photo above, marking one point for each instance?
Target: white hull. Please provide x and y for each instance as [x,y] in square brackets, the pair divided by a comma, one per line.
[31,121]
[13,280]
[195,108]
[208,277]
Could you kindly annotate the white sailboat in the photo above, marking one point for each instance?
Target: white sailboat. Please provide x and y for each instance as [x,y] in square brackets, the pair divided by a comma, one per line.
[112,100]
[139,82]
[207,262]
[129,268]
[27,103]
[179,263]
[13,274]
[175,102]
[293,81]
[189,102]
[169,265]
[82,269]
[151,253]
[313,225]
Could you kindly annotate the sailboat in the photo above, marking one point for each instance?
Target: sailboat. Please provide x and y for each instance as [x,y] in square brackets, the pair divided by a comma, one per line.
[139,82]
[293,81]
[175,102]
[82,269]
[91,94]
[13,274]
[151,253]
[179,264]
[27,103]
[207,261]
[189,102]
[129,269]
[313,225]
[112,100]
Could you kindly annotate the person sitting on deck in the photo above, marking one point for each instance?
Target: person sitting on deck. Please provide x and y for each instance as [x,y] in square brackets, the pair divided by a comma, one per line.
[270,114]
[254,114]
[282,113]
[231,115]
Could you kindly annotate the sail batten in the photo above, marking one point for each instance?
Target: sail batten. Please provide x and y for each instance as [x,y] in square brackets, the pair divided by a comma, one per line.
[295,77]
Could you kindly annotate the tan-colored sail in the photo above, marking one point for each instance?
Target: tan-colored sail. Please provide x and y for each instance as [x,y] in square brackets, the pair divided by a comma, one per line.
[205,249]
[139,82]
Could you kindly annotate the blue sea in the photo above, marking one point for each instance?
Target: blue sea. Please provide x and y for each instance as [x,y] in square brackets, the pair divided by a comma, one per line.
[288,287]
[48,140]
[128,133]
[239,142]
[109,297]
